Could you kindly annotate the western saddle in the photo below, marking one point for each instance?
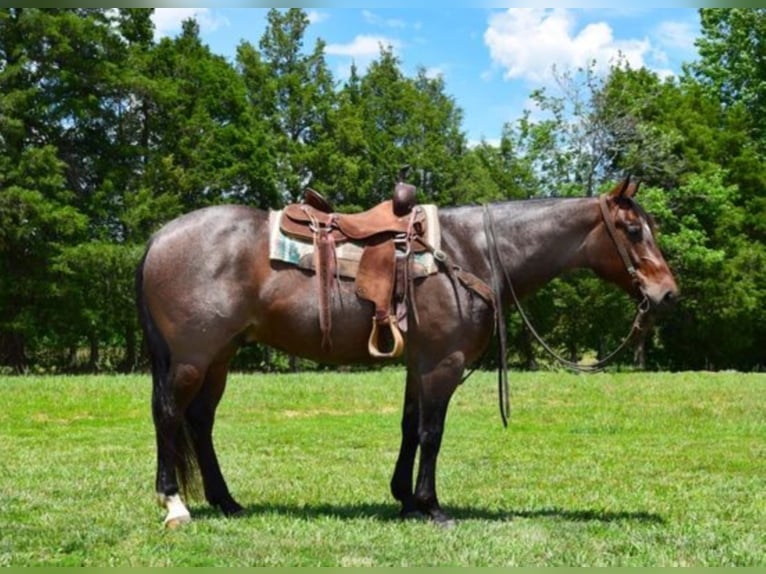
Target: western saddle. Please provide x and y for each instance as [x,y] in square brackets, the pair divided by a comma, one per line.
[387,233]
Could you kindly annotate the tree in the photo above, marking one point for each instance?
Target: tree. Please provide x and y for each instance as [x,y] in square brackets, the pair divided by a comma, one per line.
[408,121]
[732,62]
[293,93]
[36,220]
[95,301]
[343,174]
[718,323]
[204,144]
[39,210]
[732,70]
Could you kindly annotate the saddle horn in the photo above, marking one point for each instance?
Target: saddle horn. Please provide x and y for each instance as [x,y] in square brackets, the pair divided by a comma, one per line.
[404,193]
[316,200]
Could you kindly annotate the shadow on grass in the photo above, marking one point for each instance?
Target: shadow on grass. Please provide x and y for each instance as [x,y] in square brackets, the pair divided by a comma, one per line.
[390,512]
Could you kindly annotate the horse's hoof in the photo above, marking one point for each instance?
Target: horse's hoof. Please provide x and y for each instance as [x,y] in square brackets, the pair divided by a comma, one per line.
[442,519]
[177,514]
[227,505]
[232,510]
[173,522]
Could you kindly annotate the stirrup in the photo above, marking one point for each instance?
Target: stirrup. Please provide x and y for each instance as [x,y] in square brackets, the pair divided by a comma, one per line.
[372,344]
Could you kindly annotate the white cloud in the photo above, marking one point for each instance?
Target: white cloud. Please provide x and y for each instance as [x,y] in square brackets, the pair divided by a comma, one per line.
[315,16]
[362,47]
[678,36]
[361,51]
[433,72]
[673,44]
[526,43]
[167,21]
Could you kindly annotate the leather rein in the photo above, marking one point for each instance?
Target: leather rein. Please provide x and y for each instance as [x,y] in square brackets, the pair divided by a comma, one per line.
[494,263]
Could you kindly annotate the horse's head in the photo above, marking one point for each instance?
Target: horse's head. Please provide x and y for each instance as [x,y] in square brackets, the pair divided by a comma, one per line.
[626,252]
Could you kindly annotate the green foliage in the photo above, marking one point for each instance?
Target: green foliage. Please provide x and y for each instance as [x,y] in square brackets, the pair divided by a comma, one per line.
[732,64]
[293,93]
[36,221]
[484,176]
[732,69]
[384,121]
[96,304]
[204,138]
[717,324]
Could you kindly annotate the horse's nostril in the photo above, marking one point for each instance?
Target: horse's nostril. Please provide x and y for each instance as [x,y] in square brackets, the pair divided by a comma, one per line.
[669,298]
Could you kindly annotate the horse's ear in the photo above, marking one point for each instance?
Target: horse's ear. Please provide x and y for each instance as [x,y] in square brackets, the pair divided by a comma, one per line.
[623,188]
[631,189]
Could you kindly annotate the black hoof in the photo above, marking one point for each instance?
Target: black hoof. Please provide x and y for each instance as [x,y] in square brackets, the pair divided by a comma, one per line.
[231,509]
[437,516]
[441,518]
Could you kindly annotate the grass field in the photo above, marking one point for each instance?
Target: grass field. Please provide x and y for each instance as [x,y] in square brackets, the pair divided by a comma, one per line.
[650,469]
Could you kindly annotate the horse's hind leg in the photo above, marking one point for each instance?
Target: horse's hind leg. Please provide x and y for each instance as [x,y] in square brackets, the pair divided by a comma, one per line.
[401,482]
[169,401]
[201,416]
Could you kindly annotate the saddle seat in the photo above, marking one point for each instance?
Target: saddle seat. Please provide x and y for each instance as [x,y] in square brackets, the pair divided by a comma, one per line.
[388,217]
[387,234]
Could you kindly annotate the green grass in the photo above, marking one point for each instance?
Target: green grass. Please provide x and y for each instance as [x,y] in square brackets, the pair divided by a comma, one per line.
[646,469]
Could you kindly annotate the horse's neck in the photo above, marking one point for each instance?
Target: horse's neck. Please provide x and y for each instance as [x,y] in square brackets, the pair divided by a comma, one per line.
[536,240]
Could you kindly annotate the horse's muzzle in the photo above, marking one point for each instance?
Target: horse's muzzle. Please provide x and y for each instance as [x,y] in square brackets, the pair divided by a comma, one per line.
[662,297]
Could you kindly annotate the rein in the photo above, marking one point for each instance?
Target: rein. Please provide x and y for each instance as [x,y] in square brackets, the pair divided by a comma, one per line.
[494,263]
[502,369]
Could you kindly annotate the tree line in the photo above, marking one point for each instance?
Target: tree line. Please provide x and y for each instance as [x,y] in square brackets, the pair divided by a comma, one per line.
[107,133]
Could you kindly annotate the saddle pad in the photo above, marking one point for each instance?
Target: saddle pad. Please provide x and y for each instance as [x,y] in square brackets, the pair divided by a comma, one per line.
[291,250]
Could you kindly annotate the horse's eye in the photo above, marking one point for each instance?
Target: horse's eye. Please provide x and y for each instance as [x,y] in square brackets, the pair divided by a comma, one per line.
[634,231]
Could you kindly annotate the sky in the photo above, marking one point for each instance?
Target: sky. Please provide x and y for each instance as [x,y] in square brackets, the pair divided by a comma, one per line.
[490,59]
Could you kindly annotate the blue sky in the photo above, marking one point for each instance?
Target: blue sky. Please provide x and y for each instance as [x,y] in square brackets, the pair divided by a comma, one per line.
[490,59]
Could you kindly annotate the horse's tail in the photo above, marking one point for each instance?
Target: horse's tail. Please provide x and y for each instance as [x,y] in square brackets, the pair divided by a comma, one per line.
[163,404]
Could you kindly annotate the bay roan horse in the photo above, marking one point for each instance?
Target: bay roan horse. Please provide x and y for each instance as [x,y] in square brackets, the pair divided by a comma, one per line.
[206,285]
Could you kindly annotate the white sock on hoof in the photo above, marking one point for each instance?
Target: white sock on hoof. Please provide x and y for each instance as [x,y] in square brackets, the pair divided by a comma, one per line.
[177,512]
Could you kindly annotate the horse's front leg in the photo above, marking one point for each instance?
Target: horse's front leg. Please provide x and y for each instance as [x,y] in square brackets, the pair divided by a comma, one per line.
[436,389]
[401,482]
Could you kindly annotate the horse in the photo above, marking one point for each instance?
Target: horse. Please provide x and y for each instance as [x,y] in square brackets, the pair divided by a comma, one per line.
[206,285]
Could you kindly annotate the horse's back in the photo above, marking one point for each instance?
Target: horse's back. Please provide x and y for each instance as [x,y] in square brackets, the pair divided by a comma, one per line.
[211,222]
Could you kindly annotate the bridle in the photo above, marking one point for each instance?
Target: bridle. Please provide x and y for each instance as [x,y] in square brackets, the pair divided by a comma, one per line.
[613,234]
[494,262]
